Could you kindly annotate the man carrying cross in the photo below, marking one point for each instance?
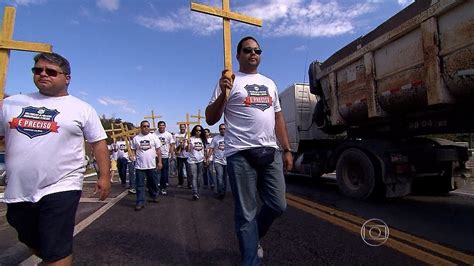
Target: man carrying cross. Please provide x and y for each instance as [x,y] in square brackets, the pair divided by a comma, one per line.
[254,123]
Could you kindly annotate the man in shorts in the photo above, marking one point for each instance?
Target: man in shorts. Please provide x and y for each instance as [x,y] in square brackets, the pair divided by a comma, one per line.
[44,135]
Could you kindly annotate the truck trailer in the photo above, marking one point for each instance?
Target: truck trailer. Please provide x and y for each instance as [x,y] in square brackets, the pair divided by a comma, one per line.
[369,107]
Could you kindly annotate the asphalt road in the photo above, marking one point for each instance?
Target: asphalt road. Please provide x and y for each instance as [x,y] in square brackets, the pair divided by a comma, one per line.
[320,227]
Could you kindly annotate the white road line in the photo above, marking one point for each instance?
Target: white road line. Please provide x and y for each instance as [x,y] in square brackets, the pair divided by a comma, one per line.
[95,200]
[462,193]
[34,260]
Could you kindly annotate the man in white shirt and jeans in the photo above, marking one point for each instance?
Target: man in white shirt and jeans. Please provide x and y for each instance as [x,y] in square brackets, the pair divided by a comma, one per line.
[167,152]
[146,149]
[253,122]
[217,150]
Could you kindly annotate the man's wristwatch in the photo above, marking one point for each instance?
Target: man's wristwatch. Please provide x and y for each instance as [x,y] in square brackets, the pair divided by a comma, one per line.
[287,150]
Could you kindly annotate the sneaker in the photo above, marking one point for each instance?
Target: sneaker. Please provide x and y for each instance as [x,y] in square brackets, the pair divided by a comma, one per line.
[260,251]
[163,192]
[132,190]
[139,207]
[195,196]
[180,186]
[167,185]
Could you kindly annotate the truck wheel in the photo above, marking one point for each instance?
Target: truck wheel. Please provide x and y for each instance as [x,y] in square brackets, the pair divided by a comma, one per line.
[355,174]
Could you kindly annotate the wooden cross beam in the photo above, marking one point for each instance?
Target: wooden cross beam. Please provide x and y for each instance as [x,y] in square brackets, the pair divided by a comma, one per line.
[198,116]
[187,123]
[226,16]
[7,44]
[126,134]
[152,118]
[112,131]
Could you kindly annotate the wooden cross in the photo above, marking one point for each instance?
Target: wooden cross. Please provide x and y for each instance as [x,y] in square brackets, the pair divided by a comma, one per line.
[187,123]
[226,16]
[153,119]
[112,131]
[7,44]
[198,116]
[127,134]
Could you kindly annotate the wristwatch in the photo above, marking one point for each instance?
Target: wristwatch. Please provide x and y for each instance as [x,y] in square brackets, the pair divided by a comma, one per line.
[287,150]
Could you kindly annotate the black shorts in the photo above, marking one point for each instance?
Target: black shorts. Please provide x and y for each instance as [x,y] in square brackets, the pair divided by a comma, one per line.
[46,226]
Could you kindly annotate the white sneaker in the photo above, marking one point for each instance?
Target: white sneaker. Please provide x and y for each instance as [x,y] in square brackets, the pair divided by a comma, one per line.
[260,251]
[163,192]
[132,190]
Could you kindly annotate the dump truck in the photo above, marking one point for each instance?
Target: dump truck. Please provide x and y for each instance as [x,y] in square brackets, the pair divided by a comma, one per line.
[371,112]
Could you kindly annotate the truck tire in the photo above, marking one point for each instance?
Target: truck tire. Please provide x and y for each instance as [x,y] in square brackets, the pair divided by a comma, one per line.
[355,174]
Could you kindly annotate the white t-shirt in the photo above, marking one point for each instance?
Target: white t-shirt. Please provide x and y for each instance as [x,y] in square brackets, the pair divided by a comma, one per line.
[145,149]
[250,113]
[218,149]
[166,140]
[121,149]
[196,150]
[44,138]
[209,141]
[180,140]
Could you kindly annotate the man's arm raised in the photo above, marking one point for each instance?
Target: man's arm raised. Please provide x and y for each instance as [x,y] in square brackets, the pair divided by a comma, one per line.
[215,110]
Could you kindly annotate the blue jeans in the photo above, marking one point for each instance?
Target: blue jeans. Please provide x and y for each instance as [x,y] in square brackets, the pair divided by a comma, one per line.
[151,183]
[245,182]
[164,173]
[207,175]
[221,176]
[181,170]
[122,169]
[196,173]
[131,174]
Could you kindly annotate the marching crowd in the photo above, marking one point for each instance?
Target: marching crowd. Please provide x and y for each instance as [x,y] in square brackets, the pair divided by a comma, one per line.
[44,135]
[152,156]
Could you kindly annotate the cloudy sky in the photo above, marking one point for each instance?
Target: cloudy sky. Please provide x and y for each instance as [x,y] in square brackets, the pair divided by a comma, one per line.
[129,57]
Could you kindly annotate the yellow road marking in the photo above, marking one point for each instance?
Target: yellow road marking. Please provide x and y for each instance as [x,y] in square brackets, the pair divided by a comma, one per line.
[354,223]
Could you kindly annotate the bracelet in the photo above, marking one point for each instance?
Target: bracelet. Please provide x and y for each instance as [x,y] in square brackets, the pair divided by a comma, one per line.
[287,150]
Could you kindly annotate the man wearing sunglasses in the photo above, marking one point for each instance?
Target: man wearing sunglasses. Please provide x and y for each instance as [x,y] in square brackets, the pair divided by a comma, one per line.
[147,153]
[45,134]
[254,123]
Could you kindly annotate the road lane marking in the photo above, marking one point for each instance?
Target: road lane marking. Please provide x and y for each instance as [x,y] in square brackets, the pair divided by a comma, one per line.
[354,223]
[94,200]
[34,260]
[462,193]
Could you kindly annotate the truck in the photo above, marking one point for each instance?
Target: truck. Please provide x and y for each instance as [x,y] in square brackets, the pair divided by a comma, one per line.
[373,110]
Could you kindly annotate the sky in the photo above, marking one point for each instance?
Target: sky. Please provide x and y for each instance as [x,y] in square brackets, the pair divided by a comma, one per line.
[129,57]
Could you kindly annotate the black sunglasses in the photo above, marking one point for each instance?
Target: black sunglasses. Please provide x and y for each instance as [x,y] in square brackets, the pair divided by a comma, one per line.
[49,71]
[221,128]
[146,126]
[248,50]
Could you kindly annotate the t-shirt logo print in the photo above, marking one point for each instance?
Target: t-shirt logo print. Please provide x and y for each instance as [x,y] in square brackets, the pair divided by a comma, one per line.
[35,121]
[145,145]
[258,97]
[163,141]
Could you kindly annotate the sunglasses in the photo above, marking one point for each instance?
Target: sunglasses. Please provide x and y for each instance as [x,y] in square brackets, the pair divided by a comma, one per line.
[248,50]
[146,126]
[49,71]
[221,128]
